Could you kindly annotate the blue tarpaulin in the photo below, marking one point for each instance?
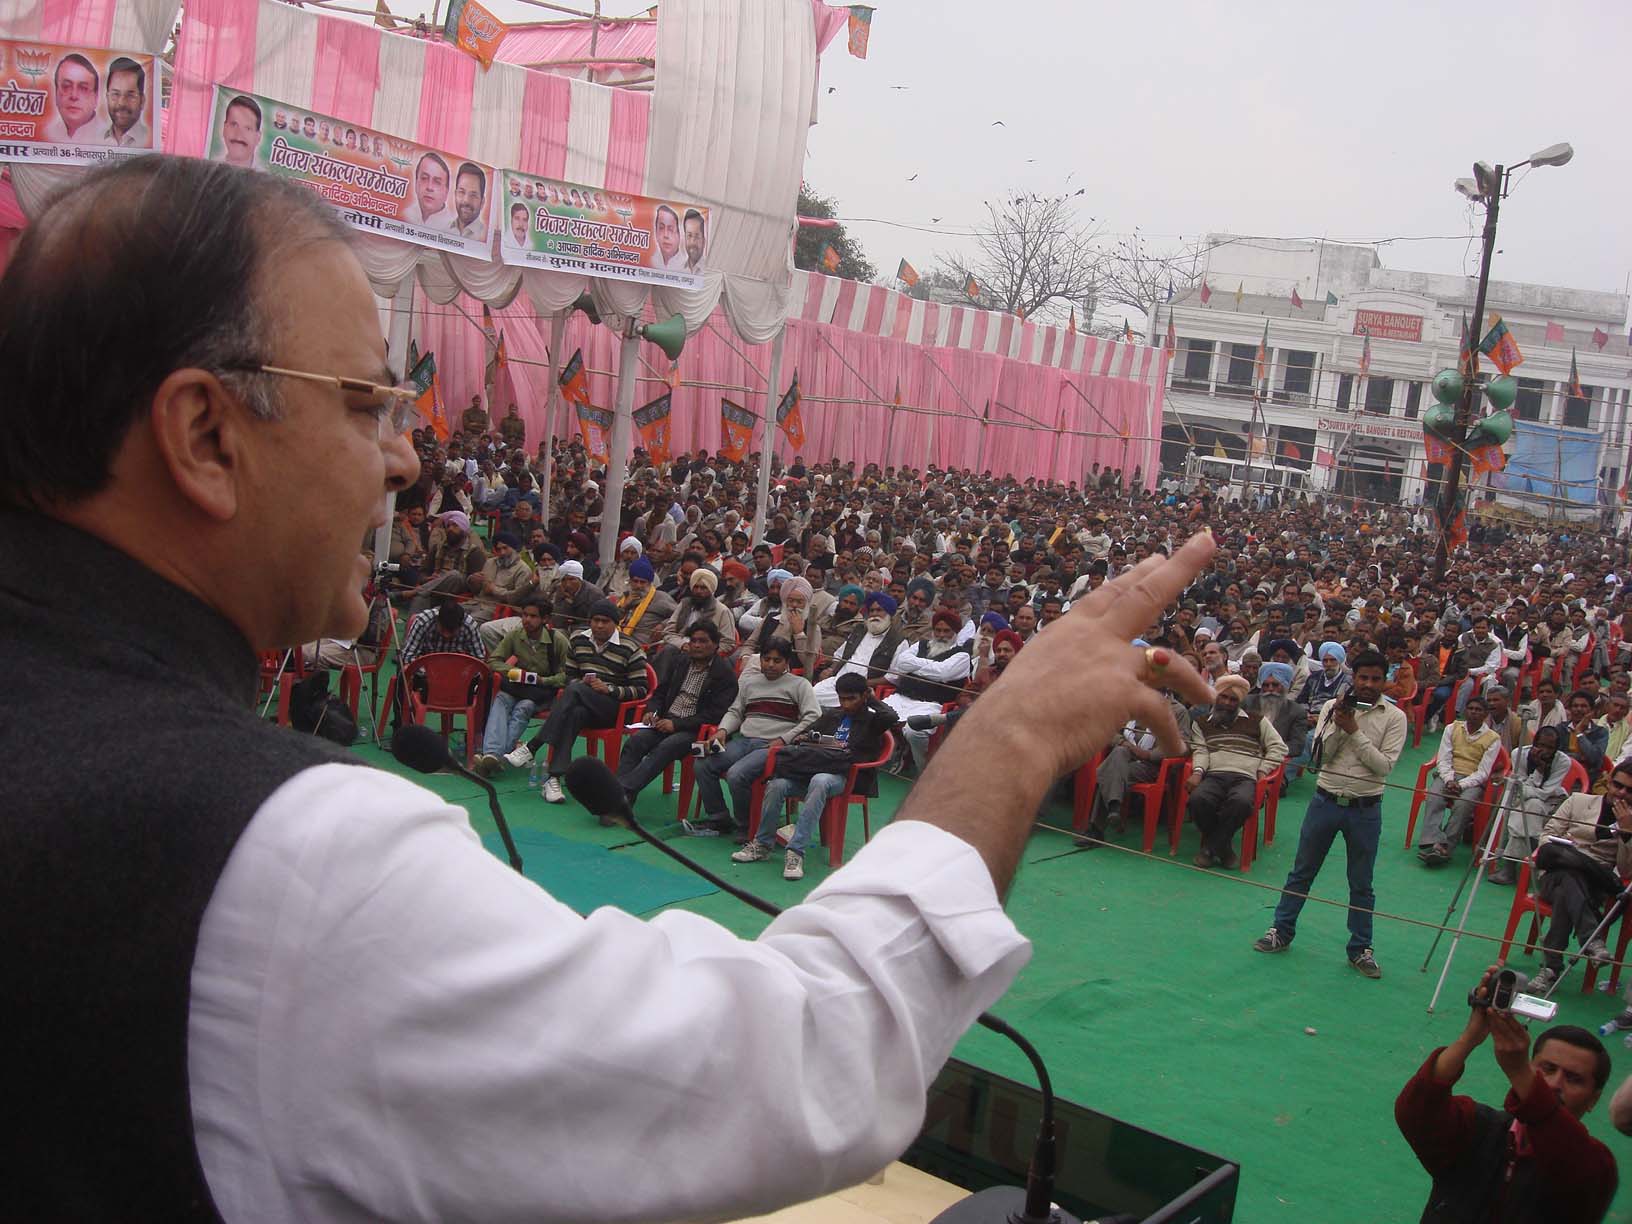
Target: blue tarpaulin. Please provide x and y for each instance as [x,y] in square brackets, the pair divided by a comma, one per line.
[1549,462]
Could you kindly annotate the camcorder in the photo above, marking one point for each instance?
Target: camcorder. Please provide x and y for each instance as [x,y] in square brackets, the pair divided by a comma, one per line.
[1350,702]
[1504,991]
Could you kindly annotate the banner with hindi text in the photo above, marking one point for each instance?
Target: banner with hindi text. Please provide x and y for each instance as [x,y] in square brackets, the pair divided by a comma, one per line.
[567,227]
[75,106]
[739,430]
[379,184]
[595,424]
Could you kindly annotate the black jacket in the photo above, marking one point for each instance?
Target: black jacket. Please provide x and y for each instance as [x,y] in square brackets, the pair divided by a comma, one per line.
[882,657]
[866,737]
[719,691]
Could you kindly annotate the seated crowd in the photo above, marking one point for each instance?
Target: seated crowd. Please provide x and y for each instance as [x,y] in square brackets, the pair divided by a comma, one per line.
[889,599]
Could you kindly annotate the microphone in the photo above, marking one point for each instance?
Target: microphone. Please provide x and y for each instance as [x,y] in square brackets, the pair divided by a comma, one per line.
[423,751]
[923,722]
[595,786]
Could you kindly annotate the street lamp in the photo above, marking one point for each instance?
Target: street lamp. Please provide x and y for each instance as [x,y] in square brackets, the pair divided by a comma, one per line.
[1488,186]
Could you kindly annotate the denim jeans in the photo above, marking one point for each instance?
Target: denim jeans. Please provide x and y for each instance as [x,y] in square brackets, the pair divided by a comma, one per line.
[505,721]
[1361,827]
[740,764]
[823,786]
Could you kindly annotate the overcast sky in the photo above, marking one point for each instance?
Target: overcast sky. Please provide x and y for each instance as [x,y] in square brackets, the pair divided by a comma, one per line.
[1287,119]
[1349,121]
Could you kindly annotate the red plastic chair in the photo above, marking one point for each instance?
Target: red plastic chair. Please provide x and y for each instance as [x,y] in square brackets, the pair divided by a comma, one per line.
[836,813]
[455,684]
[1416,713]
[1164,796]
[1481,810]
[947,707]
[1525,903]
[1265,796]
[688,773]
[283,668]
[351,675]
[609,740]
[1082,791]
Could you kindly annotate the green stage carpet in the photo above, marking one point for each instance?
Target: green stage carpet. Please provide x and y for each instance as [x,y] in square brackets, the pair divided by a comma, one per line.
[1147,1002]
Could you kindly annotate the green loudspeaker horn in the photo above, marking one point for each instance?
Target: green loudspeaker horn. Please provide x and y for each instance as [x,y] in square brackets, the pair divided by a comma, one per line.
[1448,386]
[1440,419]
[1493,430]
[1502,391]
[669,335]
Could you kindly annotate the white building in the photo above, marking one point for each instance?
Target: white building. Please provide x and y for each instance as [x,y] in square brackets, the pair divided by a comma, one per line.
[1362,435]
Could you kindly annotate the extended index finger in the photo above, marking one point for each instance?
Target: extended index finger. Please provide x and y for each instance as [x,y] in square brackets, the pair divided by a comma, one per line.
[1129,603]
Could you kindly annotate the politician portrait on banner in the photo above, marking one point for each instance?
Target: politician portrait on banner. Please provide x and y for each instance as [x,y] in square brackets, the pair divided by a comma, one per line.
[568,227]
[67,105]
[378,183]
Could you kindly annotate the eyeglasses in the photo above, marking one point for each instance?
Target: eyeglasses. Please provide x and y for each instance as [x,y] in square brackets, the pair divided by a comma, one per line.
[394,411]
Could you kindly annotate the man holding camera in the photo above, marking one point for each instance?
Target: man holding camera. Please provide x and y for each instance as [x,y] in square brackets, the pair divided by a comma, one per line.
[1357,740]
[531,661]
[1531,1160]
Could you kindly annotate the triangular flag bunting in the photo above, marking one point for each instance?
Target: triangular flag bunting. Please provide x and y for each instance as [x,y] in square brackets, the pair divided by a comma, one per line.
[1500,346]
[652,423]
[1331,298]
[739,430]
[574,384]
[788,418]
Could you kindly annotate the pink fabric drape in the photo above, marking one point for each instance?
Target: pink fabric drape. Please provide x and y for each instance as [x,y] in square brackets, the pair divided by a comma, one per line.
[217,46]
[348,69]
[545,102]
[626,143]
[445,97]
[1038,424]
[86,22]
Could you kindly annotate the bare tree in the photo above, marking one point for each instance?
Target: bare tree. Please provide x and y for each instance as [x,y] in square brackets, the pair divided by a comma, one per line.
[1031,255]
[1134,275]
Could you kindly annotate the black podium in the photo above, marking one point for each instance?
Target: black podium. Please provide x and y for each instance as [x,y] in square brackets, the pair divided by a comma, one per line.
[978,1132]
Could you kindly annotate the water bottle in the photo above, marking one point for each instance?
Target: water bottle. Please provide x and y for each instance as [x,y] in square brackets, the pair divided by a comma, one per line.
[533,774]
[1618,1024]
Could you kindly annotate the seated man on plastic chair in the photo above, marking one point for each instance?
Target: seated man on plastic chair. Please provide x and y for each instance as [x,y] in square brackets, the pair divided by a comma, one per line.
[536,674]
[1584,848]
[772,704]
[1231,750]
[1467,753]
[604,669]
[927,675]
[853,732]
[1132,760]
[694,687]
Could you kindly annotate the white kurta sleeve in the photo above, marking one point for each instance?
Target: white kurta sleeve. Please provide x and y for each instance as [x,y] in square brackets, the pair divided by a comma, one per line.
[388,1022]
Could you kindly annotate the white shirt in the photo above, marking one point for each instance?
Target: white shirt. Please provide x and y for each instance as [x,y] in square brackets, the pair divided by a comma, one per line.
[86,133]
[865,650]
[388,1022]
[136,137]
[442,220]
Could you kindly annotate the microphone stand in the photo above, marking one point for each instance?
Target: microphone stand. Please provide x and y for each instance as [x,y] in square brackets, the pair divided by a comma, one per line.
[492,806]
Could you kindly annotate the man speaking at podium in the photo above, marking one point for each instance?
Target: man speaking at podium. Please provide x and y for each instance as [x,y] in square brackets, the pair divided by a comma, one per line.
[257,981]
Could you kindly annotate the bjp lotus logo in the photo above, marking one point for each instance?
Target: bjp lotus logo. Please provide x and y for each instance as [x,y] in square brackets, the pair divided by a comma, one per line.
[33,63]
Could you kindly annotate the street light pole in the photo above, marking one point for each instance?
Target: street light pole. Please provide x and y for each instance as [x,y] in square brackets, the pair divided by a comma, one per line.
[1470,388]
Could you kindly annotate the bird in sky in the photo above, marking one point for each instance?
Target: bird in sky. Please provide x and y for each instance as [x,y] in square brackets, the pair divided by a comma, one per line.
[933,220]
[831,88]
[899,87]
[911,177]
[999,123]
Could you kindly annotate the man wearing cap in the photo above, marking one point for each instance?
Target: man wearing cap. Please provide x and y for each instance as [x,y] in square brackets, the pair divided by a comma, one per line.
[617,578]
[1289,718]
[700,603]
[504,579]
[913,621]
[927,675]
[1230,750]
[571,597]
[868,651]
[603,669]
[644,606]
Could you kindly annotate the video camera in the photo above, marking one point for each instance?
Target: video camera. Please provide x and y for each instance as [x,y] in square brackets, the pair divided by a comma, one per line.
[1504,989]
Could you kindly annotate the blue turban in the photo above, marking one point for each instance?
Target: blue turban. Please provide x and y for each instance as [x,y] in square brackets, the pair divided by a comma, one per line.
[778,575]
[1276,671]
[995,620]
[851,588]
[510,539]
[924,585]
[642,568]
[880,601]
[1330,649]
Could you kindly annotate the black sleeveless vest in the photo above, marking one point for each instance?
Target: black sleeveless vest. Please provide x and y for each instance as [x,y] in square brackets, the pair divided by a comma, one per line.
[134,759]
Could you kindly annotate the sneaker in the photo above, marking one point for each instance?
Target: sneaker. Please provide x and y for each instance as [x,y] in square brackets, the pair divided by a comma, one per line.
[755,851]
[1619,1024]
[487,764]
[551,790]
[1597,953]
[793,865]
[519,757]
[1271,941]
[1545,979]
[1366,963]
[715,826]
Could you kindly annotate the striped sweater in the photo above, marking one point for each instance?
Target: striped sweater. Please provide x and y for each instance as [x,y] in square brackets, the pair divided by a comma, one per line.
[772,709]
[1247,744]
[619,663]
